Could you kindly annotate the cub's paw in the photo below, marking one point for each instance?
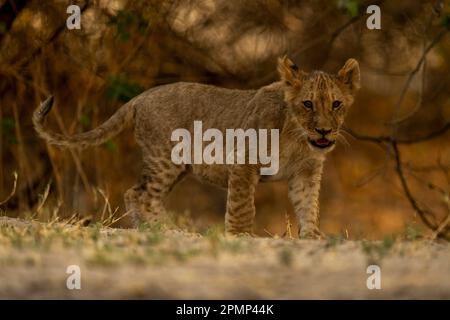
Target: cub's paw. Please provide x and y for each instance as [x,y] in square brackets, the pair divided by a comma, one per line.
[238,234]
[312,234]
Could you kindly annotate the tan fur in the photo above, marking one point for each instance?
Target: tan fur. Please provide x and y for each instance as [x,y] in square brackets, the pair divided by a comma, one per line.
[280,105]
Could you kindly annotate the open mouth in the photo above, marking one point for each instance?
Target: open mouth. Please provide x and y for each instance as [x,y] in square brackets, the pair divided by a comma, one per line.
[321,143]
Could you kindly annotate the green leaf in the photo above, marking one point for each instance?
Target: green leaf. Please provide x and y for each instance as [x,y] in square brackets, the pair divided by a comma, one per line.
[412,232]
[446,21]
[7,126]
[127,22]
[85,121]
[2,27]
[350,6]
[121,89]
[110,146]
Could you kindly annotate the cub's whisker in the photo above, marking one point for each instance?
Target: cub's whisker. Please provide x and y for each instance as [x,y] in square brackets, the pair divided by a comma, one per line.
[344,140]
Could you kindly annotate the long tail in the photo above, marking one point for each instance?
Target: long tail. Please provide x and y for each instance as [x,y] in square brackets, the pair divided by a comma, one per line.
[122,118]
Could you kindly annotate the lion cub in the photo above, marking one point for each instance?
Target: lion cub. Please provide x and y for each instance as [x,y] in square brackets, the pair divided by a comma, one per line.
[307,109]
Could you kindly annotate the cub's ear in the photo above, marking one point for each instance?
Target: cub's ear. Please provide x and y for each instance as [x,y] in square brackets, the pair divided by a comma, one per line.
[289,72]
[349,75]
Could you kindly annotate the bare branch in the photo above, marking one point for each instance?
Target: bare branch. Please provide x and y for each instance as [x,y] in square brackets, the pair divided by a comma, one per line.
[53,37]
[426,216]
[389,139]
[411,75]
[13,191]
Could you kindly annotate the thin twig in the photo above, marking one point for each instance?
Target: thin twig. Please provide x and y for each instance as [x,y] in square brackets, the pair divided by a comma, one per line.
[36,52]
[288,226]
[329,38]
[13,191]
[423,214]
[411,75]
[419,102]
[390,139]
[43,199]
[269,233]
[106,206]
[440,229]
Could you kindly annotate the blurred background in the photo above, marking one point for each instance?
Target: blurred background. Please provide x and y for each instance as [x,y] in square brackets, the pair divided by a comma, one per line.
[394,169]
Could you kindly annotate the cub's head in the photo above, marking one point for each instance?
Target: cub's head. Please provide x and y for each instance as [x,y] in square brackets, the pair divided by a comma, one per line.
[318,102]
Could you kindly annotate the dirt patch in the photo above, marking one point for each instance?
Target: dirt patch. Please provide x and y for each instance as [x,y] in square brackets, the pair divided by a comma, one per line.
[153,262]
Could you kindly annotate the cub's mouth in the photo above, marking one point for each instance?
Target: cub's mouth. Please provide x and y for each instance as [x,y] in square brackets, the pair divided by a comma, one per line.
[321,143]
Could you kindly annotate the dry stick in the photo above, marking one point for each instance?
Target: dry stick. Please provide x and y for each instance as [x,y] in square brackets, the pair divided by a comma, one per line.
[53,37]
[288,226]
[399,169]
[269,233]
[195,50]
[431,186]
[106,206]
[380,71]
[412,74]
[446,222]
[190,47]
[441,228]
[336,34]
[378,171]
[331,39]
[424,64]
[372,175]
[397,110]
[434,187]
[13,191]
[113,220]
[389,139]
[423,214]
[44,199]
[54,217]
[427,168]
[419,102]
[305,47]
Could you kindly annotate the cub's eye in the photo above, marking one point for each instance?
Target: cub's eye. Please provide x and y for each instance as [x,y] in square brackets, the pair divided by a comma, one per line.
[308,104]
[337,104]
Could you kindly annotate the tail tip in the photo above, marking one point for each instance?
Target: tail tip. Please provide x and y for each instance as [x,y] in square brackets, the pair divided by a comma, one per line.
[46,106]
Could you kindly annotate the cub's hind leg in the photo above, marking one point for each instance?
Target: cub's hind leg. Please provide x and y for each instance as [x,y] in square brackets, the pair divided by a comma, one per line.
[159,176]
[131,198]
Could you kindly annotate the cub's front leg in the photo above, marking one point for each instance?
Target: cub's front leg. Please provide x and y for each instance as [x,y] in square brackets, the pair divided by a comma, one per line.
[304,186]
[242,181]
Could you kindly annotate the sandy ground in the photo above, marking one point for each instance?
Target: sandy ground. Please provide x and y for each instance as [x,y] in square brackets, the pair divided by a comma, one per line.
[155,263]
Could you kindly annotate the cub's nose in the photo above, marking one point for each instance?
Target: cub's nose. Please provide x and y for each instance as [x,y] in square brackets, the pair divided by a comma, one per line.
[323,131]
